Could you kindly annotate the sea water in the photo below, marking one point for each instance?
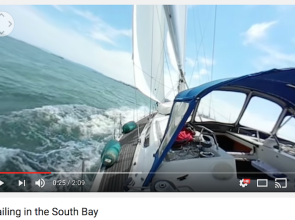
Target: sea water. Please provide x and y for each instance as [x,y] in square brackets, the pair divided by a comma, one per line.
[54,114]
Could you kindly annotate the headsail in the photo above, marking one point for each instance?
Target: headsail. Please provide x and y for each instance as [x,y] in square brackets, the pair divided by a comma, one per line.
[148,50]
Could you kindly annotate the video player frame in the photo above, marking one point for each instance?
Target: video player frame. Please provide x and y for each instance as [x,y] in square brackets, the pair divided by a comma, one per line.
[98,103]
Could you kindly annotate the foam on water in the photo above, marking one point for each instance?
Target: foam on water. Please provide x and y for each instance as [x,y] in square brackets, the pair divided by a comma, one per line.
[57,139]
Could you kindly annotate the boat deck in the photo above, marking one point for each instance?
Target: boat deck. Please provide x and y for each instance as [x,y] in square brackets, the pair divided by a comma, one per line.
[114,182]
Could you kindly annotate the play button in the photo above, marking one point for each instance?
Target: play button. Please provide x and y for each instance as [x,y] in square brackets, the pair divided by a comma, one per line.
[6,24]
[1,183]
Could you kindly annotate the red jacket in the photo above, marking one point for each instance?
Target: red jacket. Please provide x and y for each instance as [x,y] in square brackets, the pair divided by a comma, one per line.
[185,135]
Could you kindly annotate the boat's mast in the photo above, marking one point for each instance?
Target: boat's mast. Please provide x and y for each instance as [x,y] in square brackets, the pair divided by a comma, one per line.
[176,18]
[182,84]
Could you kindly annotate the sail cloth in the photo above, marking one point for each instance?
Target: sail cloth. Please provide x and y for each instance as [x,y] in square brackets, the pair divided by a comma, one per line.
[152,37]
[171,74]
[148,50]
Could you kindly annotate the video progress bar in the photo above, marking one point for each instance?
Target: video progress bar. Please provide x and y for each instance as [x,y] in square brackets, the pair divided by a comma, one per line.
[97,172]
[71,172]
[25,172]
[139,173]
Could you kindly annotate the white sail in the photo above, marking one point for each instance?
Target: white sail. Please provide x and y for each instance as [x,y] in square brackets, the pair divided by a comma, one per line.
[158,30]
[177,18]
[148,50]
[171,71]
[171,53]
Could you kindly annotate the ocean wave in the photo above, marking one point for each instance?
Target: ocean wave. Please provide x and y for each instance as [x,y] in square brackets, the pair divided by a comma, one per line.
[57,139]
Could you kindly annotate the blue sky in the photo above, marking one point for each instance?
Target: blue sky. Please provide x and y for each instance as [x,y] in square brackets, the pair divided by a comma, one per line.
[248,38]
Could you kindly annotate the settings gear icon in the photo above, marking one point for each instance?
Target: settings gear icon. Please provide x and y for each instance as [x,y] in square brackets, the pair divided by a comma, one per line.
[242,184]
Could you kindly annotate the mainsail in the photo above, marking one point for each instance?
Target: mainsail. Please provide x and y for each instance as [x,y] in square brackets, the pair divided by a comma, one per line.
[155,27]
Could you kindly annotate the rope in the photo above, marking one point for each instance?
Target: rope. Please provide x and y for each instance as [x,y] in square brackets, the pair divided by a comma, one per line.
[213,49]
[135,90]
[201,42]
[151,76]
[205,63]
[225,117]
[152,61]
[196,46]
[172,89]
[135,94]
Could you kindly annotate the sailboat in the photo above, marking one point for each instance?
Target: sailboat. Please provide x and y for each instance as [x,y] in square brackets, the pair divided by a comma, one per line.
[214,156]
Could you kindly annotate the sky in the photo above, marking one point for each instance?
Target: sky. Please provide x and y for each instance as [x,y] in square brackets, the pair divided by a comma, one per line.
[248,39]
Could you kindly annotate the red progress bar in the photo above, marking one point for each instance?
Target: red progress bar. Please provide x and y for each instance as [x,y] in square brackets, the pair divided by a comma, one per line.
[25,172]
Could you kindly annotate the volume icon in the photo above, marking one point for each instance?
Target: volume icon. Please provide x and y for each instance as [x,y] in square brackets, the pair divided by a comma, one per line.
[40,183]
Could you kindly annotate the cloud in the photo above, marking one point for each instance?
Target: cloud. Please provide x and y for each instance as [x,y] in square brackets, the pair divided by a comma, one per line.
[190,61]
[273,58]
[270,56]
[203,72]
[101,37]
[100,30]
[202,60]
[104,32]
[207,62]
[74,46]
[257,31]
[200,74]
[196,77]
[86,14]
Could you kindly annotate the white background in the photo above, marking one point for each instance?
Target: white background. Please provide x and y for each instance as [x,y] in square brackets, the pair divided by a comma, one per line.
[158,206]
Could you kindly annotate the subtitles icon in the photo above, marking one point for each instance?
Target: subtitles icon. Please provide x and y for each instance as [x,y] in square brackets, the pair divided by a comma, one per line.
[281,183]
[40,183]
[262,183]
[244,182]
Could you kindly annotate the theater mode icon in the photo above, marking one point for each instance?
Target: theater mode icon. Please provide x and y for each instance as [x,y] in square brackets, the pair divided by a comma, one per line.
[262,183]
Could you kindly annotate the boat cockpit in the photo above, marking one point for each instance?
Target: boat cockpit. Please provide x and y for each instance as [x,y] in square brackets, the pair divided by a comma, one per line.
[258,152]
